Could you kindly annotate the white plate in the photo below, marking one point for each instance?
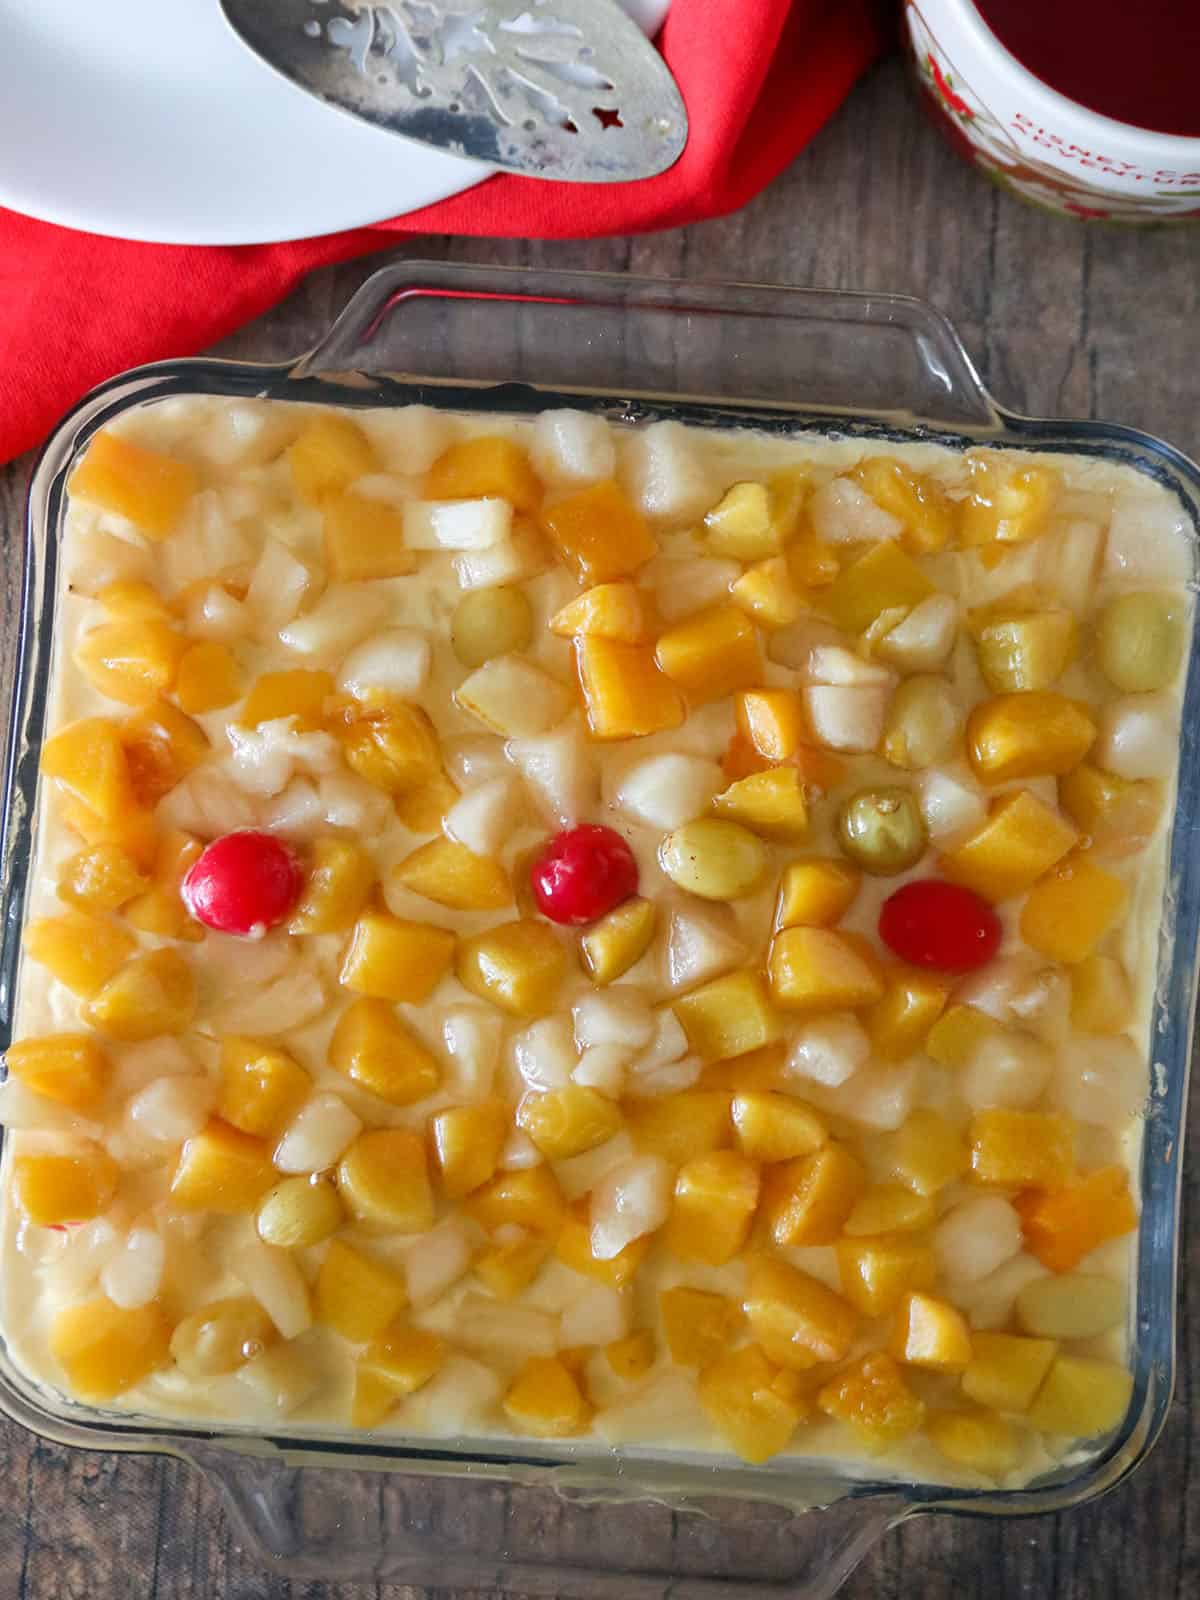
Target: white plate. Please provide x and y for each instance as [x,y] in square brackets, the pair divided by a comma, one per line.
[146,119]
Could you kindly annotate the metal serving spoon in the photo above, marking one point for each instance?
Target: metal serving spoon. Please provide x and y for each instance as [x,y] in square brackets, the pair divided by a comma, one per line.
[567,89]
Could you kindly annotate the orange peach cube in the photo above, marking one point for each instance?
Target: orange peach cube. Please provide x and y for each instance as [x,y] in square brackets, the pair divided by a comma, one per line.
[877,1273]
[1062,1227]
[812,970]
[518,966]
[52,1188]
[728,1016]
[529,1198]
[208,678]
[389,958]
[798,1320]
[364,539]
[222,1169]
[899,1022]
[1019,840]
[337,885]
[299,692]
[807,1201]
[355,1294]
[816,891]
[81,950]
[599,533]
[566,1122]
[873,1398]
[467,1141]
[146,487]
[884,579]
[682,1125]
[711,654]
[375,1050]
[104,1349]
[152,994]
[625,694]
[449,874]
[330,454]
[697,1325]
[71,1069]
[384,1180]
[545,1400]
[1022,1149]
[606,611]
[1006,1370]
[930,1333]
[1071,909]
[262,1086]
[775,1127]
[486,465]
[1034,734]
[716,1196]
[737,1393]
[87,758]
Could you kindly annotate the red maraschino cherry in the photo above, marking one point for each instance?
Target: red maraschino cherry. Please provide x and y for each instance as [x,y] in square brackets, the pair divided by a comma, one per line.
[582,873]
[243,883]
[930,923]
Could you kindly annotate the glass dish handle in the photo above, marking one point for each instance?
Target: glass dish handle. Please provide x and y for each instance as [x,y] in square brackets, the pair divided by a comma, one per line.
[886,356]
[470,1530]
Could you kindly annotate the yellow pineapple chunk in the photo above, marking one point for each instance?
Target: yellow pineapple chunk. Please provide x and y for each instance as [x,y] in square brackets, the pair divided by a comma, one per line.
[618,940]
[529,1198]
[144,486]
[488,464]
[884,579]
[633,1356]
[798,1320]
[741,524]
[1022,1149]
[873,1398]
[364,539]
[507,1269]
[711,654]
[53,1187]
[625,694]
[729,1016]
[930,1333]
[1019,840]
[816,891]
[208,678]
[768,593]
[683,1125]
[1082,1397]
[262,1086]
[135,831]
[607,611]
[133,662]
[105,1349]
[449,874]
[222,1169]
[772,720]
[69,1068]
[771,803]
[1007,504]
[100,878]
[916,499]
[758,1072]
[152,994]
[1020,647]
[807,1201]
[815,969]
[889,1208]
[599,533]
[336,887]
[1116,814]
[912,1001]
[978,1440]
[698,1326]
[389,958]
[328,456]
[421,810]
[957,1034]
[1101,997]
[375,1050]
[775,1127]
[1036,734]
[221,1336]
[566,1122]
[161,909]
[877,1273]
[128,598]
[573,1247]
[394,1365]
[518,966]
[1062,1227]
[467,1141]
[81,950]
[384,1180]
[162,745]
[925,1153]
[298,692]
[545,1400]
[356,1295]
[1071,909]
[1006,1370]
[87,758]
[391,744]
[716,1196]
[737,1393]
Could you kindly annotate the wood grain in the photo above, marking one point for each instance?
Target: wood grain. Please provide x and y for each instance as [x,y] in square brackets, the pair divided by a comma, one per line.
[1062,320]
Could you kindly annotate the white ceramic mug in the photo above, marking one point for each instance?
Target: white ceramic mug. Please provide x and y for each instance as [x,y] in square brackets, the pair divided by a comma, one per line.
[1034,140]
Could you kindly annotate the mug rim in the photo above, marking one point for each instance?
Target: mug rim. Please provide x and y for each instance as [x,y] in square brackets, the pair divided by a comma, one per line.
[1148,139]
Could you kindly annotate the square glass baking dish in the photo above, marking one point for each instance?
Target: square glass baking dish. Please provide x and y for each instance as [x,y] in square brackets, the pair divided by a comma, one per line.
[638,1524]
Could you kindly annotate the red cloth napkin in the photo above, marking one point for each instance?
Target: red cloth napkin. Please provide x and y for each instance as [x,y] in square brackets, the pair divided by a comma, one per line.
[759,77]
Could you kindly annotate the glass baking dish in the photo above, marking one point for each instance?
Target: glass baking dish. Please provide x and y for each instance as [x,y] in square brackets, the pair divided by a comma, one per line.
[545,1520]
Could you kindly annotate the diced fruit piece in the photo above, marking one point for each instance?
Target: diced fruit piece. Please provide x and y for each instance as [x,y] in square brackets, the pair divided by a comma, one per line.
[922,724]
[133,662]
[606,611]
[771,803]
[633,1356]
[300,1211]
[220,1336]
[376,1051]
[889,1208]
[574,1249]
[330,454]
[506,1269]
[881,829]
[243,882]
[796,1318]
[711,654]
[872,1396]
[391,744]
[683,1125]
[1138,738]
[161,909]
[1115,813]
[389,958]
[152,994]
[1006,1371]
[222,1169]
[1081,1397]
[1007,504]
[729,1016]
[396,1364]
[618,941]
[281,1378]
[931,1333]
[357,1295]
[715,1199]
[625,694]
[146,487]
[813,970]
[912,1002]
[131,598]
[1021,839]
[208,678]
[829,1050]
[1022,649]
[698,1326]
[262,1087]
[571,446]
[423,809]
[1101,998]
[1073,1305]
[105,1349]
[162,746]
[69,1068]
[1031,1149]
[741,524]
[775,1127]
[1071,909]
[488,464]
[807,1201]
[81,950]
[100,878]
[300,693]
[582,873]
[878,1272]
[816,891]
[1140,640]
[545,1400]
[1061,1228]
[384,1180]
[449,874]
[915,499]
[599,533]
[920,640]
[513,697]
[1039,733]
[88,760]
[566,1122]
[490,622]
[881,580]
[736,1392]
[767,592]
[52,1188]
[518,966]
[337,882]
[467,1141]
[977,1440]
[364,539]
[940,925]
[926,1152]
[714,858]
[529,1198]
[772,720]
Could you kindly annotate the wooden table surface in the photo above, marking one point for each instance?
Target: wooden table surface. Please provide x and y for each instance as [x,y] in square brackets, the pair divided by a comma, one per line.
[1063,320]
